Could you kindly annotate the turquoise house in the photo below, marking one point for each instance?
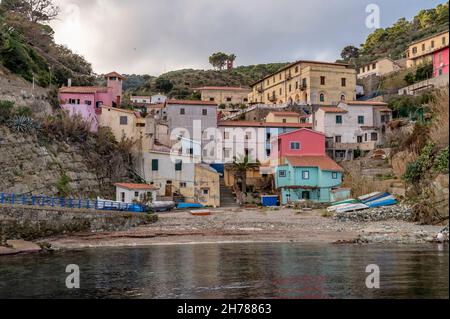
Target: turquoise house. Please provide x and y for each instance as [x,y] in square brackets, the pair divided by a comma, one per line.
[308,177]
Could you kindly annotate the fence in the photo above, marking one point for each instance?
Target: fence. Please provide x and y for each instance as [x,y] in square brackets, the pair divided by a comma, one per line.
[46,201]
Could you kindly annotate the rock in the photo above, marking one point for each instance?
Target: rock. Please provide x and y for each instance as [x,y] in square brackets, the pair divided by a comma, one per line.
[396,212]
[7,251]
[23,246]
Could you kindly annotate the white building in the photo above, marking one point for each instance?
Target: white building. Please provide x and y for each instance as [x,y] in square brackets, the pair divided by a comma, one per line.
[141,99]
[130,193]
[158,99]
[352,126]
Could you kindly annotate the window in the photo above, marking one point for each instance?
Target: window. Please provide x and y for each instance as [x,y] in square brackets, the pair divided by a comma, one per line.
[136,194]
[322,80]
[88,102]
[290,87]
[414,50]
[284,121]
[204,112]
[334,175]
[359,139]
[374,136]
[182,111]
[122,197]
[155,165]
[74,101]
[245,100]
[296,68]
[432,44]
[295,145]
[322,97]
[226,135]
[296,85]
[304,82]
[444,41]
[305,175]
[211,99]
[282,173]
[183,184]
[281,91]
[178,165]
[268,136]
[229,99]
[342,97]
[344,82]
[268,152]
[123,120]
[226,153]
[248,135]
[205,191]
[360,119]
[338,119]
[365,137]
[423,47]
[374,66]
[338,139]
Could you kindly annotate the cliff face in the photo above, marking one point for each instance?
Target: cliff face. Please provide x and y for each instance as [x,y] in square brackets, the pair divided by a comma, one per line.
[56,168]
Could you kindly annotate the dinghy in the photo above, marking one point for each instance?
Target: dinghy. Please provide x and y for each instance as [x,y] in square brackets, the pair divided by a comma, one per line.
[334,208]
[351,208]
[162,206]
[373,198]
[346,201]
[384,201]
[369,196]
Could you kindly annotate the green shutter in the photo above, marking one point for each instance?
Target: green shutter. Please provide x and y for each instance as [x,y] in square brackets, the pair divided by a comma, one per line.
[155,165]
[178,165]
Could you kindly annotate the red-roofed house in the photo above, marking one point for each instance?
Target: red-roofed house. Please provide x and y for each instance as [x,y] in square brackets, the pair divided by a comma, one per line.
[225,95]
[303,170]
[352,126]
[88,100]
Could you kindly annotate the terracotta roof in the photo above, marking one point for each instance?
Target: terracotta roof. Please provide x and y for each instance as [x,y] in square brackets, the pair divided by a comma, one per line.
[83,89]
[222,88]
[302,129]
[114,73]
[132,186]
[374,103]
[385,109]
[330,109]
[285,114]
[190,102]
[323,162]
[263,124]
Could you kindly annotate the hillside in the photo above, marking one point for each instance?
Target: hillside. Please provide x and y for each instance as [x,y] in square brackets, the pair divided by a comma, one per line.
[179,84]
[393,41]
[27,48]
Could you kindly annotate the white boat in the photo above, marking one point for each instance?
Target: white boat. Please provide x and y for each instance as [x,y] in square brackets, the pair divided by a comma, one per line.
[368,196]
[352,208]
[334,208]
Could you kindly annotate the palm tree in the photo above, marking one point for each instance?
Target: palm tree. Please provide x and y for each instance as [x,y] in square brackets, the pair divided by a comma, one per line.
[239,170]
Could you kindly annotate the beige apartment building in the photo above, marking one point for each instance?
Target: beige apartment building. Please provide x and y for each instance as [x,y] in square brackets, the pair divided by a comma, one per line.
[421,51]
[307,82]
[380,67]
[283,117]
[225,95]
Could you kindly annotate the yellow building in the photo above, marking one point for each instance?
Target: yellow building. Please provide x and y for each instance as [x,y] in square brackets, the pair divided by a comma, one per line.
[207,185]
[307,82]
[421,51]
[380,67]
[283,117]
[226,95]
[125,124]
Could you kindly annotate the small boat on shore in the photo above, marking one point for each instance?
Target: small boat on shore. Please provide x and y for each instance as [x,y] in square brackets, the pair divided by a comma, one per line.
[373,198]
[351,208]
[346,201]
[367,197]
[200,212]
[162,206]
[388,200]
[334,208]
[189,205]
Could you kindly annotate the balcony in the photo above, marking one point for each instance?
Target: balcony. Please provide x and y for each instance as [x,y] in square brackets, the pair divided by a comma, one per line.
[272,98]
[303,87]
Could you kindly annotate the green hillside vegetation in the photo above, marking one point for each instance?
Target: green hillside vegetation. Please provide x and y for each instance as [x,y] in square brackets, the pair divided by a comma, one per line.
[393,41]
[179,84]
[27,48]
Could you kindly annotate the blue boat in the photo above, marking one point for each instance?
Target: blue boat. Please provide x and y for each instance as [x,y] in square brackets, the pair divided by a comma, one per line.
[384,201]
[189,205]
[376,197]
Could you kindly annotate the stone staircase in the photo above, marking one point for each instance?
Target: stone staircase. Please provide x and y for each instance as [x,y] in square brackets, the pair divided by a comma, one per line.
[227,199]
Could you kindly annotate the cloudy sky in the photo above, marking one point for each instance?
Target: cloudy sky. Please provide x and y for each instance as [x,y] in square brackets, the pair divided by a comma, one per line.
[156,36]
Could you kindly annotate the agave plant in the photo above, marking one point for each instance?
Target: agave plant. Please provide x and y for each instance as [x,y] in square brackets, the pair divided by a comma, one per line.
[21,124]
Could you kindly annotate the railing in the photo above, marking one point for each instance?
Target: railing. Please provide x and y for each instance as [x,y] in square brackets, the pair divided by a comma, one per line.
[72,203]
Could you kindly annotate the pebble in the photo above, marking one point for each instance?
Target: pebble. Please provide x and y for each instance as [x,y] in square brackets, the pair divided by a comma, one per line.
[397,212]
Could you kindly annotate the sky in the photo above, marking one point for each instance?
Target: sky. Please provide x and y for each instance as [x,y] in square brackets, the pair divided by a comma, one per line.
[157,36]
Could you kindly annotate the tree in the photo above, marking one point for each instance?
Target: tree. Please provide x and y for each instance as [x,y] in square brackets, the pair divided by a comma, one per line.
[349,52]
[38,11]
[231,59]
[239,169]
[164,85]
[218,60]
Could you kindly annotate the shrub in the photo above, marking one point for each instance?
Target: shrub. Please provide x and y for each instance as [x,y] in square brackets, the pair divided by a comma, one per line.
[441,161]
[5,111]
[63,185]
[64,126]
[21,124]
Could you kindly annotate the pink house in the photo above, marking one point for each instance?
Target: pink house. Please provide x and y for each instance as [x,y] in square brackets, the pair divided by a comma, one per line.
[300,143]
[88,100]
[440,62]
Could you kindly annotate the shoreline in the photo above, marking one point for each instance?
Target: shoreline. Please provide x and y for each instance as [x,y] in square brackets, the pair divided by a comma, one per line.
[247,226]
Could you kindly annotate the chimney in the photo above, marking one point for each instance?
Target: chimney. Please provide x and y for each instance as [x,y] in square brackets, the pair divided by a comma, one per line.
[69,83]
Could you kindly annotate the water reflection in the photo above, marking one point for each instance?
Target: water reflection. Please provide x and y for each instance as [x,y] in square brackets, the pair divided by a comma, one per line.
[232,271]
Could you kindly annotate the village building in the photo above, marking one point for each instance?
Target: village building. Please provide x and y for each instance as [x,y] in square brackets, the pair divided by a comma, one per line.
[87,101]
[224,95]
[352,126]
[131,193]
[380,67]
[147,99]
[285,117]
[440,62]
[307,82]
[303,171]
[422,51]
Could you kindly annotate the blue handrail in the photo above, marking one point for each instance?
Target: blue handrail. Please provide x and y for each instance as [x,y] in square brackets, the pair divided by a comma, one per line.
[48,201]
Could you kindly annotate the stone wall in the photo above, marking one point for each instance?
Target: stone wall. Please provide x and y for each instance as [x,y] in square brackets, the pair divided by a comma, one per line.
[28,223]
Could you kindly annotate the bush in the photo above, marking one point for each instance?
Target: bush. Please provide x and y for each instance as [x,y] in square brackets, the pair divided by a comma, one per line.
[5,111]
[441,161]
[21,124]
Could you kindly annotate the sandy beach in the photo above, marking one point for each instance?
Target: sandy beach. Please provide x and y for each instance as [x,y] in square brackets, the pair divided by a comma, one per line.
[252,225]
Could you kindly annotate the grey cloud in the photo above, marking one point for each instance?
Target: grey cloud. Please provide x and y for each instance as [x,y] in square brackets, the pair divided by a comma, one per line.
[150,36]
